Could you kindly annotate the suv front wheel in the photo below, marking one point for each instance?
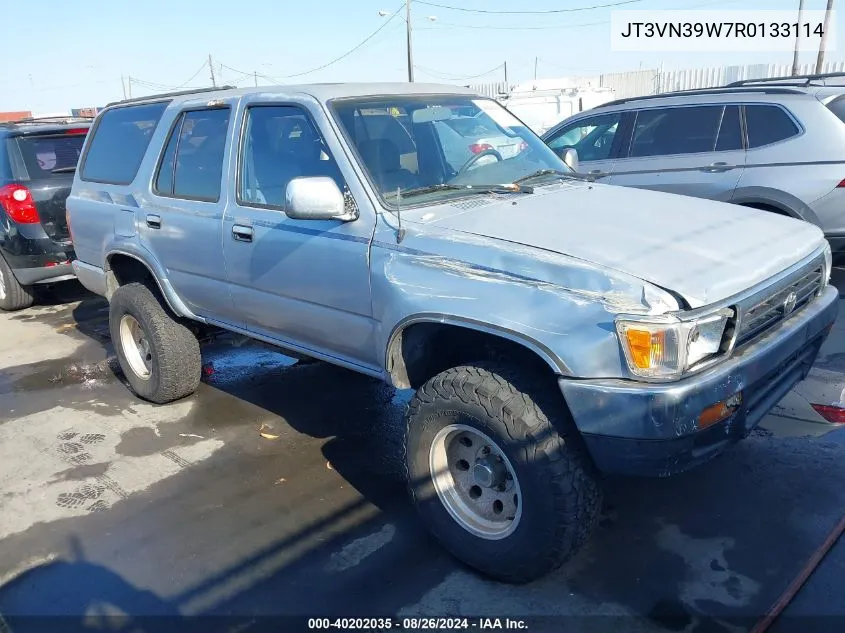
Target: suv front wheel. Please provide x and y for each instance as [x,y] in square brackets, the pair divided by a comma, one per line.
[159,356]
[491,476]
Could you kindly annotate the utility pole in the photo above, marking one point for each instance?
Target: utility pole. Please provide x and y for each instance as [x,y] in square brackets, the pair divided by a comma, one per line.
[820,60]
[211,68]
[255,73]
[123,85]
[410,46]
[797,39]
[129,85]
[506,74]
[536,59]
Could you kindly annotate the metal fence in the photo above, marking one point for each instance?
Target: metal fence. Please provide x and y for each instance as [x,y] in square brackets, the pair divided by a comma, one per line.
[652,81]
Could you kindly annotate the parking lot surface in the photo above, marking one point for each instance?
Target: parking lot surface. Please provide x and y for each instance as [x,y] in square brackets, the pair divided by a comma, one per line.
[277,490]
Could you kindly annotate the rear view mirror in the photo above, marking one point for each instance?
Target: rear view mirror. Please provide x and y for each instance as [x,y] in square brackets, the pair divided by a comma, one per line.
[570,157]
[316,198]
[427,115]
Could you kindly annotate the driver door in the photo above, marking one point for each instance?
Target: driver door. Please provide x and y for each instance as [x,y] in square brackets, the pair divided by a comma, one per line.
[596,138]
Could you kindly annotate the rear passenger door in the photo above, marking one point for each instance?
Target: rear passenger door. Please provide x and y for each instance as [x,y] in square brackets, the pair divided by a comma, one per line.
[303,283]
[690,150]
[597,139]
[182,223]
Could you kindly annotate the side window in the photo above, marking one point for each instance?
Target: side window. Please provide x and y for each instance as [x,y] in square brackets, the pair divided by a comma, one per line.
[768,124]
[119,143]
[280,143]
[592,138]
[192,164]
[730,131]
[682,130]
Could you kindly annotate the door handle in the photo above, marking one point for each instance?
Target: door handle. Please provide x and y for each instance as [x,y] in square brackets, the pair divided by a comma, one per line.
[153,221]
[717,167]
[242,233]
[595,174]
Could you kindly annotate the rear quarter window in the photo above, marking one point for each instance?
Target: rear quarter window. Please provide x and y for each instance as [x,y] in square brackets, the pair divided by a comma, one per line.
[119,142]
[768,124]
[837,106]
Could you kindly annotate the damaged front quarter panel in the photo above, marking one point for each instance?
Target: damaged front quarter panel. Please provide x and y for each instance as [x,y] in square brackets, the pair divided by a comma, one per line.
[560,307]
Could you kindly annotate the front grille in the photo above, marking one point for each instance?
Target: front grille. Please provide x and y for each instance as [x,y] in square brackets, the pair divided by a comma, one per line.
[762,315]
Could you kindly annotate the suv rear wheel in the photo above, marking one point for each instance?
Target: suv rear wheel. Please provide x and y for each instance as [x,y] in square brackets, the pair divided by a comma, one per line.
[159,356]
[13,296]
[492,478]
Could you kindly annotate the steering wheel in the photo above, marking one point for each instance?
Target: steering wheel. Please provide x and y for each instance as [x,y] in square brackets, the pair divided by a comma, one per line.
[474,159]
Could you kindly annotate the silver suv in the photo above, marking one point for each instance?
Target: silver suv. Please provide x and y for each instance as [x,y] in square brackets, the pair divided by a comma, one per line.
[553,328]
[774,144]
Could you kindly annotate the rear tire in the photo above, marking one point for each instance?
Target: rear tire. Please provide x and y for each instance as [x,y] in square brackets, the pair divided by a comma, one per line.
[492,478]
[159,356]
[13,296]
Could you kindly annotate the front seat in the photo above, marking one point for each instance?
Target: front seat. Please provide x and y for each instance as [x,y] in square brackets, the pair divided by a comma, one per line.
[384,163]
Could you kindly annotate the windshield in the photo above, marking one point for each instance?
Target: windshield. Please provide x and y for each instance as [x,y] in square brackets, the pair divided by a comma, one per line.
[428,148]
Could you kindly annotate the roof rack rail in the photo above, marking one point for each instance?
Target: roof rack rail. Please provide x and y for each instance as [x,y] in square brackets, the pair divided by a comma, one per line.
[795,80]
[48,119]
[702,91]
[178,93]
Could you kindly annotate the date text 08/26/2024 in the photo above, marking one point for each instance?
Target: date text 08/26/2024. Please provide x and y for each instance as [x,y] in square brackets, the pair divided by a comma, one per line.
[416,624]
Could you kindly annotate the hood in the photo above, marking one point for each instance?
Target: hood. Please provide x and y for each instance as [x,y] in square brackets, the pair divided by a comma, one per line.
[703,250]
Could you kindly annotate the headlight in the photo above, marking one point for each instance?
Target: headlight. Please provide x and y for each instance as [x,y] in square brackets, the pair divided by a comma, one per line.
[663,348]
[828,266]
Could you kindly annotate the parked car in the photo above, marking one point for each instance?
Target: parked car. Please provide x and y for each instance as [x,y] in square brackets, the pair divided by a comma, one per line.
[771,144]
[553,328]
[37,161]
[464,136]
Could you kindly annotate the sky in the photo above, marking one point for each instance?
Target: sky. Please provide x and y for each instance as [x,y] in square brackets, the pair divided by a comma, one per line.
[74,56]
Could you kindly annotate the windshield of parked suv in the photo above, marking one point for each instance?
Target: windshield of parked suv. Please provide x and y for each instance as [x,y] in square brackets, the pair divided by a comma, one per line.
[426,148]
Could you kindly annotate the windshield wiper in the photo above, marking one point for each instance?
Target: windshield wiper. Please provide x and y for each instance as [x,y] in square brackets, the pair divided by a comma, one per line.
[63,170]
[501,189]
[419,191]
[545,172]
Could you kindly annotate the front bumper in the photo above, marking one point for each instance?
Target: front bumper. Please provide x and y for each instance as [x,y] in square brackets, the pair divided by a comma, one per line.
[652,429]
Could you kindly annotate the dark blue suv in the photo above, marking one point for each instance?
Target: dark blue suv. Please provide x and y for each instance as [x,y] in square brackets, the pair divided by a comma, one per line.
[37,160]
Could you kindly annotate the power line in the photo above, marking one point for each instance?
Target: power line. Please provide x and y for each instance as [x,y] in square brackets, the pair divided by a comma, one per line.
[437,73]
[556,27]
[545,12]
[194,76]
[347,53]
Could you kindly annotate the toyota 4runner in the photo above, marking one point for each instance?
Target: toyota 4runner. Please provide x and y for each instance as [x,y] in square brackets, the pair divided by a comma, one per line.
[554,329]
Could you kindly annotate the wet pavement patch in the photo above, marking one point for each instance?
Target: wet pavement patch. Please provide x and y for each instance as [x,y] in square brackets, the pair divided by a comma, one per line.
[61,372]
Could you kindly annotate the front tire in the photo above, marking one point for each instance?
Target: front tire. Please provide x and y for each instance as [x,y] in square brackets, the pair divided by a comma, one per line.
[159,356]
[13,296]
[492,478]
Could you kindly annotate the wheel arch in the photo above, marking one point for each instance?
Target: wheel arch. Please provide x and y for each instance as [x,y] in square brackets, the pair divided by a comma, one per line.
[420,346]
[775,200]
[123,267]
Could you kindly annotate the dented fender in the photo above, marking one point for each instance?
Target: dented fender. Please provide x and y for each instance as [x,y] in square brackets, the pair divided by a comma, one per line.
[503,289]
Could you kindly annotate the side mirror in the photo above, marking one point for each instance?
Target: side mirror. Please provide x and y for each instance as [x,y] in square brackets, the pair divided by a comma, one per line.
[570,157]
[316,198]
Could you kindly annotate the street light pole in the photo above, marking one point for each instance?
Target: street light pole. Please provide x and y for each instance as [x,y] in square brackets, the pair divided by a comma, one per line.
[410,45]
[820,59]
[797,39]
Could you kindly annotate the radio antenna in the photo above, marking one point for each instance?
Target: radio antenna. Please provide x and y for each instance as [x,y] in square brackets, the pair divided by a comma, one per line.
[400,234]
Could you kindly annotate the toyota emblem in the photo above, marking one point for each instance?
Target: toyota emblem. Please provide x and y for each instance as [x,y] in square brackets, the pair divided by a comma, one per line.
[789,303]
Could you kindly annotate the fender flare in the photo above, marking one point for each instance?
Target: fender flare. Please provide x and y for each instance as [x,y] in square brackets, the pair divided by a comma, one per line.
[786,202]
[158,274]
[554,362]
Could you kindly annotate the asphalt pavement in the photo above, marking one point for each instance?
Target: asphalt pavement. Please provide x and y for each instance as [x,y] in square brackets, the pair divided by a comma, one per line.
[275,493]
